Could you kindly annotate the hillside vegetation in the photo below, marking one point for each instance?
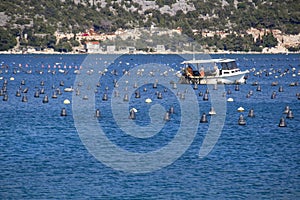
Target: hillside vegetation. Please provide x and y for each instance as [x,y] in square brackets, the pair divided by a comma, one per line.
[39,19]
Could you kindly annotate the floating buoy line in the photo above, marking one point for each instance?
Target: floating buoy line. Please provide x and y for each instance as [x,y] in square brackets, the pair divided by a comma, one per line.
[46,96]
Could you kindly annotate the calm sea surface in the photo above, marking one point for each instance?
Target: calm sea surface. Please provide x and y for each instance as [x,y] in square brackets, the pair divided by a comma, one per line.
[43,155]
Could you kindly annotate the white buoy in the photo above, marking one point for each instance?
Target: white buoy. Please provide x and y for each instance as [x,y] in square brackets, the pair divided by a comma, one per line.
[134,110]
[230,99]
[148,100]
[70,89]
[12,78]
[67,101]
[240,109]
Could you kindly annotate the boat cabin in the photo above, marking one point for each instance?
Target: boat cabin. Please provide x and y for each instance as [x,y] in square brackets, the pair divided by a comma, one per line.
[210,67]
[228,66]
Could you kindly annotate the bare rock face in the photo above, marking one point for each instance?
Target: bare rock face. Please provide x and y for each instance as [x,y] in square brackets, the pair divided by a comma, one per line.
[3,18]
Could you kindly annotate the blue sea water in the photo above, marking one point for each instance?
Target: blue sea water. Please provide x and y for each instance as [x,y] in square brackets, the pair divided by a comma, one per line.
[44,156]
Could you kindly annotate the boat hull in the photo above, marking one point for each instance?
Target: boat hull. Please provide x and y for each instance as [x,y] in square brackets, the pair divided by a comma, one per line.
[237,78]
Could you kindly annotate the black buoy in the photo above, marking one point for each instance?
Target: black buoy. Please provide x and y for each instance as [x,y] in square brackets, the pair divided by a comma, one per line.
[24,98]
[155,85]
[280,89]
[126,97]
[4,89]
[212,111]
[242,121]
[286,109]
[251,113]
[258,88]
[63,112]
[5,97]
[104,98]
[215,87]
[171,110]
[131,114]
[282,122]
[45,99]
[54,96]
[42,91]
[274,83]
[174,86]
[116,93]
[203,118]
[182,96]
[25,90]
[255,83]
[200,94]
[237,88]
[37,94]
[80,83]
[159,95]
[97,114]
[18,93]
[167,116]
[290,115]
[205,97]
[58,91]
[195,86]
[273,96]
[77,92]
[137,94]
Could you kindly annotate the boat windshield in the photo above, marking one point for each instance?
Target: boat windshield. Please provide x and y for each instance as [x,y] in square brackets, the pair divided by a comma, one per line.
[229,65]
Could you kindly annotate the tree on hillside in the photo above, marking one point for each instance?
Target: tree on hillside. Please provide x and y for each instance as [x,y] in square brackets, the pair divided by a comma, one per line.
[269,40]
[7,40]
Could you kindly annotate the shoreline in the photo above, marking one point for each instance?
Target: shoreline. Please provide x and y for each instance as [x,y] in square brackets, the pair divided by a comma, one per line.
[146,53]
[265,51]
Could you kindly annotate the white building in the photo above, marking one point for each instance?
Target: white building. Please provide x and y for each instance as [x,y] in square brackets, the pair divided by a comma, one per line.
[160,48]
[92,47]
[111,49]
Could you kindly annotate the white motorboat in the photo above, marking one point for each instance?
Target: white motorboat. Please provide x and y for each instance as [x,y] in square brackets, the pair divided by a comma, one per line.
[212,71]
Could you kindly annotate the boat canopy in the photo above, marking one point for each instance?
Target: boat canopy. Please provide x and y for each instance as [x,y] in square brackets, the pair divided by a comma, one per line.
[226,64]
[206,61]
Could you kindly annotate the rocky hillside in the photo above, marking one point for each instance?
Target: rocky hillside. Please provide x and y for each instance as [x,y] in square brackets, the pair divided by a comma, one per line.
[44,17]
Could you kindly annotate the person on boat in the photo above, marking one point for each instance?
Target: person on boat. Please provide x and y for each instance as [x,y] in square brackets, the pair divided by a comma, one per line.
[202,74]
[217,71]
[189,71]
